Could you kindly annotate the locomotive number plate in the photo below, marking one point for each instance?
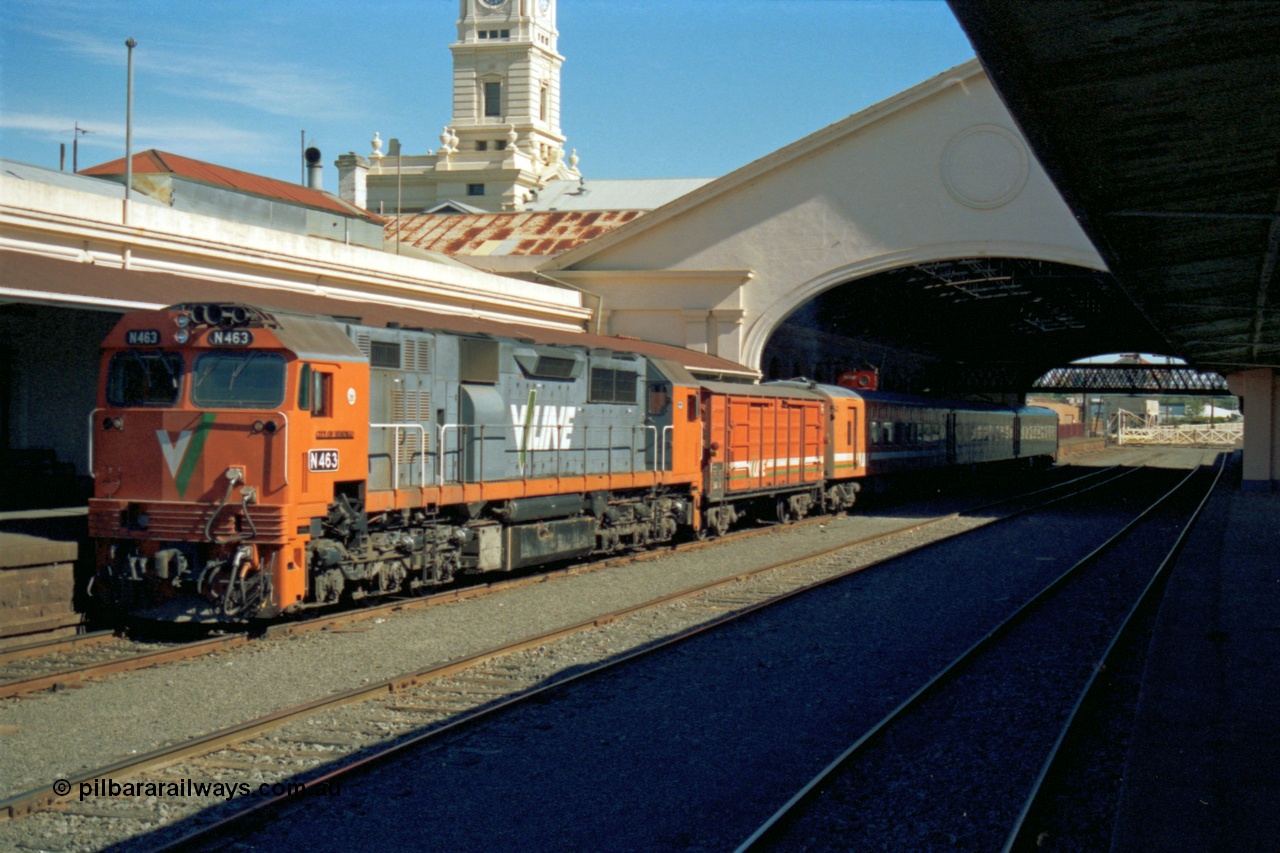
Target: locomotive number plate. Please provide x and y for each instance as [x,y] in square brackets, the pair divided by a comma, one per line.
[229,338]
[322,460]
[142,338]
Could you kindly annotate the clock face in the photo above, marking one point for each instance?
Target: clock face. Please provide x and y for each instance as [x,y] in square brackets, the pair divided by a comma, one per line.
[545,4]
[493,4]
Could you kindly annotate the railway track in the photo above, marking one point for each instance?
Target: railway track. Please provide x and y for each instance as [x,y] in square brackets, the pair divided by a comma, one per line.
[292,743]
[70,662]
[63,664]
[992,779]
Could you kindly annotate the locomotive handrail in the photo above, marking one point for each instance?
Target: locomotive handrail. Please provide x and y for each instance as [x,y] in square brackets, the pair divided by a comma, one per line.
[444,451]
[286,446]
[395,456]
[93,420]
[607,448]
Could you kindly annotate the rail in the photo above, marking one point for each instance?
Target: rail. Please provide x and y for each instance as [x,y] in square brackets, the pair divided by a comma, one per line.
[770,834]
[45,796]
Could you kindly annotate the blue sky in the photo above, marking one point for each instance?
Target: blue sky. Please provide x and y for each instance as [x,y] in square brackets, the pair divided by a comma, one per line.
[651,88]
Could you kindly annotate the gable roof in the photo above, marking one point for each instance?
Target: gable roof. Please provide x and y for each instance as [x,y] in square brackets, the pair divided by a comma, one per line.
[154,162]
[452,206]
[611,194]
[723,186]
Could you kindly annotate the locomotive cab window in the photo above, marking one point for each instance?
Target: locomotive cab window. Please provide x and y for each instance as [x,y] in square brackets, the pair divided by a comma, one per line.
[315,392]
[659,397]
[144,378]
[240,379]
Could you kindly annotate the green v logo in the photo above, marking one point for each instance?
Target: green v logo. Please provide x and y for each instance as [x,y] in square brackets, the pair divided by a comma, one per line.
[182,453]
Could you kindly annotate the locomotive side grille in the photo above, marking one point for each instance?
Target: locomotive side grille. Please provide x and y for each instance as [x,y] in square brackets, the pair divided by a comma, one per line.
[416,355]
[184,522]
[409,406]
[363,342]
[384,354]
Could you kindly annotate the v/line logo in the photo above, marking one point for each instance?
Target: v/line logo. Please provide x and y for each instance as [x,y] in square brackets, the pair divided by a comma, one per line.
[542,427]
[182,453]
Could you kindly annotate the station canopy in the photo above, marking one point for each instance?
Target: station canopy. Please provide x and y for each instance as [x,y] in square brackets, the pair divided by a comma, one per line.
[1158,121]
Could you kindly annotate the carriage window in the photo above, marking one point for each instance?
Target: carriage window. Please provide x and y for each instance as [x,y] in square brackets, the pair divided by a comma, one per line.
[244,379]
[144,378]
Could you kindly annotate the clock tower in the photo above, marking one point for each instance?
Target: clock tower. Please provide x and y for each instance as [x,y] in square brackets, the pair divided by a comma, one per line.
[504,141]
[506,78]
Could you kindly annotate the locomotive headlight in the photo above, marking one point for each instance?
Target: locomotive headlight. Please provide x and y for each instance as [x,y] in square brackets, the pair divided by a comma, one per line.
[182,335]
[183,320]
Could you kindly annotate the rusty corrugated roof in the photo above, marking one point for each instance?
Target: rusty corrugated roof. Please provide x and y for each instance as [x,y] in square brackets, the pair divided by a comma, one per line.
[162,162]
[533,233]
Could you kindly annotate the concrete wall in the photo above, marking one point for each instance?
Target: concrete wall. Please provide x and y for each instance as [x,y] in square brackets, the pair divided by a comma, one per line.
[1259,393]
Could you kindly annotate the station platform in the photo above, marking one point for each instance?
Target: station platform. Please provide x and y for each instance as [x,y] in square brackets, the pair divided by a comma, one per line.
[1201,772]
[39,555]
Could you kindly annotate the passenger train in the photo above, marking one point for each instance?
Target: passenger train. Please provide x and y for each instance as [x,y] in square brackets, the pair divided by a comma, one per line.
[254,464]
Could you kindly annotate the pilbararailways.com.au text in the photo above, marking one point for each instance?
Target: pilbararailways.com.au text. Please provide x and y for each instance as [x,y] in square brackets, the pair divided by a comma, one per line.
[183,788]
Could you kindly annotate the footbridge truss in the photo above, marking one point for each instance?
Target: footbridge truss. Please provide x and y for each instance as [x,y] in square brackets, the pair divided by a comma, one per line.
[1136,379]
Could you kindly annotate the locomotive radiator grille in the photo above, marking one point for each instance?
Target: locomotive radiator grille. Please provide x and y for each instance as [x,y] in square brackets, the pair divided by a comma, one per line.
[410,406]
[184,522]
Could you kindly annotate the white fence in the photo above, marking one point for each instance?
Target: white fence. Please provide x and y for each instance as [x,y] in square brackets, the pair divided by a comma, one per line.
[1132,429]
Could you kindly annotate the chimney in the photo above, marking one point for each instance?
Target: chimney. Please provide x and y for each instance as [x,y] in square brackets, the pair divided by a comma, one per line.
[314,179]
[353,171]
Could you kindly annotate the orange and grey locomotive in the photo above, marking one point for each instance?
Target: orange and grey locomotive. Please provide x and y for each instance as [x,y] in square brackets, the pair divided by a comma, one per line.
[252,464]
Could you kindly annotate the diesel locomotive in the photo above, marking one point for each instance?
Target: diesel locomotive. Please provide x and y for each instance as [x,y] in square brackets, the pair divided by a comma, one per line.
[252,463]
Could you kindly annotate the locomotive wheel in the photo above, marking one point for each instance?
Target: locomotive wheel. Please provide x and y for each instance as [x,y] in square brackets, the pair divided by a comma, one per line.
[785,515]
[720,521]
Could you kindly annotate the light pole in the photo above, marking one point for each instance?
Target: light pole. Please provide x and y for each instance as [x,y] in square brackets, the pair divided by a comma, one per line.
[77,132]
[128,132]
